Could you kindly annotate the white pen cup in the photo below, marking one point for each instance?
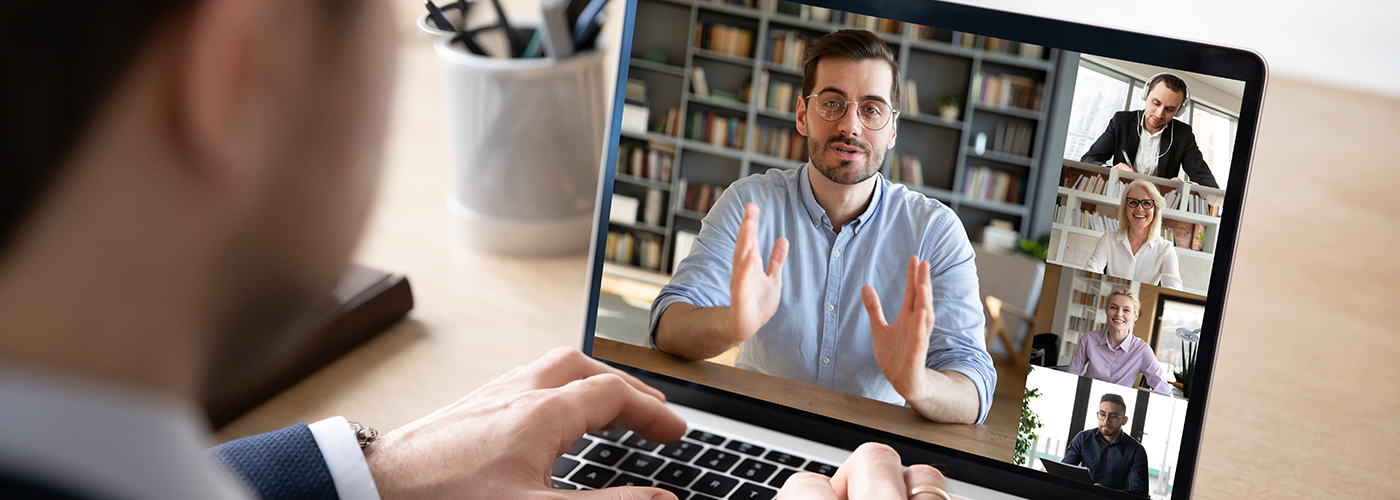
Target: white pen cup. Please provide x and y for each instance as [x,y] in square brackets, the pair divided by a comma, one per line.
[429,30]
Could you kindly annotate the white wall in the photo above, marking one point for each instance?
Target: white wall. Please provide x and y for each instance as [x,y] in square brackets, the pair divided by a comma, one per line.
[1344,43]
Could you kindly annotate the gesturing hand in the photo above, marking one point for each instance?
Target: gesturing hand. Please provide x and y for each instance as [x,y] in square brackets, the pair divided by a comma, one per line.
[873,472]
[754,294]
[900,348]
[501,440]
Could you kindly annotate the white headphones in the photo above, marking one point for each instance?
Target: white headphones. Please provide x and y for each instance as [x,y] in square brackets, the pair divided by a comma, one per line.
[1157,78]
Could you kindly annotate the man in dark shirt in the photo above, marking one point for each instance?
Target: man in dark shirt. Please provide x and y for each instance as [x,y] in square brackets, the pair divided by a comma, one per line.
[1115,460]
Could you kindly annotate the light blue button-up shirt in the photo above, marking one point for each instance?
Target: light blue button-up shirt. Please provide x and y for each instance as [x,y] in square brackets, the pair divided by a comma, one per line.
[820,333]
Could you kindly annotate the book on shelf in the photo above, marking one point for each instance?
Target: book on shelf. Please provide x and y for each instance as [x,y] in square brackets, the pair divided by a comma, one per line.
[788,47]
[725,39]
[1085,323]
[635,250]
[986,183]
[680,247]
[670,123]
[779,95]
[1195,203]
[1093,184]
[635,114]
[698,83]
[653,162]
[906,168]
[782,142]
[1008,91]
[758,92]
[1012,138]
[1085,218]
[911,98]
[1184,234]
[716,130]
[623,210]
[1088,298]
[653,208]
[700,197]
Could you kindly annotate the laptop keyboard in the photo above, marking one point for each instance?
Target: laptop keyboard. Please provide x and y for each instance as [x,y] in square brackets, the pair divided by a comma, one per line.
[701,466]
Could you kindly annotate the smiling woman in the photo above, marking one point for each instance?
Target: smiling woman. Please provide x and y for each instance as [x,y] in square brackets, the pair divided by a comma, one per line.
[1137,250]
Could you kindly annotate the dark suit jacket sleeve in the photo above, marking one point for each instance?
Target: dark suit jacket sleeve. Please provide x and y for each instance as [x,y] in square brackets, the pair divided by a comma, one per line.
[1106,146]
[1193,162]
[283,464]
[1137,474]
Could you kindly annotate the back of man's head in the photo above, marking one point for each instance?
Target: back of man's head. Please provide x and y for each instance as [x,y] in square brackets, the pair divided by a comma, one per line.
[856,45]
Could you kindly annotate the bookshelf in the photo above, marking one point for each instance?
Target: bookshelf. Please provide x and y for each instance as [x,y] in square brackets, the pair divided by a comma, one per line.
[1071,243]
[1084,297]
[740,120]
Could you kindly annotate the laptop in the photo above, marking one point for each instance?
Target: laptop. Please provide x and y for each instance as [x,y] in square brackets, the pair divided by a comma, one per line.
[1038,135]
[1061,469]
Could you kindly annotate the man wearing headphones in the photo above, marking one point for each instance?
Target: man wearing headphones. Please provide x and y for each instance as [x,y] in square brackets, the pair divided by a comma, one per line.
[1151,141]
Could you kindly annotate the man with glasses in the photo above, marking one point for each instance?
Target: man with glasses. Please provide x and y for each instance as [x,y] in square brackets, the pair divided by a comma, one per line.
[838,238]
[1115,460]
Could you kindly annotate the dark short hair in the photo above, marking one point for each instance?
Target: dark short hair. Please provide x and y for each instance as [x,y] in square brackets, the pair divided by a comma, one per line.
[61,61]
[857,45]
[1115,399]
[1174,83]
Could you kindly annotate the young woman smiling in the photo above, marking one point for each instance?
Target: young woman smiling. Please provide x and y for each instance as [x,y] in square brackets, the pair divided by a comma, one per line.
[1137,251]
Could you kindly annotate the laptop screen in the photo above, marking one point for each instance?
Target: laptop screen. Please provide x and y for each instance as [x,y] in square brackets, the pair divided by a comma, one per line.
[1070,206]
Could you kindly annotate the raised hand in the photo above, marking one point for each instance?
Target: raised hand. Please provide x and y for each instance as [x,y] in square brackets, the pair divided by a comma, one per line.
[754,294]
[900,348]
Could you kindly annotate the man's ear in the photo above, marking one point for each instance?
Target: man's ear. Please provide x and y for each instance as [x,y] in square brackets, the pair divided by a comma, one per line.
[216,77]
[802,116]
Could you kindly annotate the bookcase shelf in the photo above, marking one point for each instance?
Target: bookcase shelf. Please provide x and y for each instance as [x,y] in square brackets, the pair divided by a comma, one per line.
[667,51]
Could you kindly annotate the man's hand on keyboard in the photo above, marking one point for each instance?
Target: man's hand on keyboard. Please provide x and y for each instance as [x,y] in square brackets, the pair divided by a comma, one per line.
[501,440]
[872,472]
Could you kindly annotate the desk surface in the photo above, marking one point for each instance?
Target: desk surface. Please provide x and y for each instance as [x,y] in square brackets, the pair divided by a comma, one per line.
[1308,386]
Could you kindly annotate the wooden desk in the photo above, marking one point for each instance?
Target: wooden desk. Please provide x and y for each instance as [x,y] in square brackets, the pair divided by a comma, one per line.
[1304,403]
[983,440]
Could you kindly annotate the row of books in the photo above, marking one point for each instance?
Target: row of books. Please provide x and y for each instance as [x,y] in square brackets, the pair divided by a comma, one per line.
[728,40]
[782,142]
[625,208]
[1013,138]
[1085,219]
[1090,299]
[717,130]
[839,18]
[1010,91]
[635,250]
[1085,323]
[699,197]
[986,183]
[906,168]
[788,48]
[1095,184]
[776,95]
[670,123]
[651,162]
[1196,204]
[1184,234]
[701,87]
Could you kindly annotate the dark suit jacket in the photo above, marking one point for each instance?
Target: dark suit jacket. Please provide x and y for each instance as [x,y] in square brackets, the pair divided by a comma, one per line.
[1181,149]
[280,465]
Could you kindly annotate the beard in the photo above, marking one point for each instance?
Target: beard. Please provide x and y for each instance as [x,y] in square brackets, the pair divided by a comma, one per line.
[845,172]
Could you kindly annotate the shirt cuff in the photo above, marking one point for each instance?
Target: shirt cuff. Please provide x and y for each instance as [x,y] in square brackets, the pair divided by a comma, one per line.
[345,459]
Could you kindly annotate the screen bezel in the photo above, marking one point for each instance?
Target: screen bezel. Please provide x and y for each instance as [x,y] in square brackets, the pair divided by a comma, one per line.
[1227,62]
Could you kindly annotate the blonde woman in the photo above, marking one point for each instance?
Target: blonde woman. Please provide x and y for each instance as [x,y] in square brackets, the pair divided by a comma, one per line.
[1114,354]
[1137,251]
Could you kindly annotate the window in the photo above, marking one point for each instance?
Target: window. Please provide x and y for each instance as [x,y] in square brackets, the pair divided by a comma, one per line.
[1215,135]
[1098,93]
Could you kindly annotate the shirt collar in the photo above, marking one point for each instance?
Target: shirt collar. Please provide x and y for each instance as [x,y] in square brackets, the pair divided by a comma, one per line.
[815,213]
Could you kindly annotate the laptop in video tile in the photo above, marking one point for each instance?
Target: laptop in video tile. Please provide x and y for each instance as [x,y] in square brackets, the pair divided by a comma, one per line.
[991,241]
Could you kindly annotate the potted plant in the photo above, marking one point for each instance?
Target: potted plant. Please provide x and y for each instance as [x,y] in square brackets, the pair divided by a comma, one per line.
[1189,345]
[949,107]
[1029,423]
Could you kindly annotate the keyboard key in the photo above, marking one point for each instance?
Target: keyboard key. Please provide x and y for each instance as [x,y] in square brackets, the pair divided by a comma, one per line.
[681,493]
[681,450]
[827,470]
[785,459]
[641,464]
[781,477]
[705,437]
[629,480]
[579,446]
[703,497]
[715,484]
[592,476]
[612,434]
[606,454]
[563,466]
[677,474]
[750,491]
[638,442]
[755,470]
[745,448]
[560,485]
[718,460]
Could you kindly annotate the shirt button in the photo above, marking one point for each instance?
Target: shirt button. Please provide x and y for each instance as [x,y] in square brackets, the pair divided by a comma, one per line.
[826,361]
[830,307]
[837,253]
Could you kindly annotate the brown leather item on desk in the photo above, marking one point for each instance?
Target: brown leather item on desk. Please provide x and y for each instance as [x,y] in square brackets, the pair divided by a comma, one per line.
[979,439]
[367,302]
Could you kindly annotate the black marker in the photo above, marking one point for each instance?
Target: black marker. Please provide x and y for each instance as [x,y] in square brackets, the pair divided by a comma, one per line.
[435,14]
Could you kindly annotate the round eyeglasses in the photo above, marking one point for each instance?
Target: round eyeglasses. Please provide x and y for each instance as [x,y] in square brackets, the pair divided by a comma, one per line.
[873,113]
[1146,204]
[1110,416]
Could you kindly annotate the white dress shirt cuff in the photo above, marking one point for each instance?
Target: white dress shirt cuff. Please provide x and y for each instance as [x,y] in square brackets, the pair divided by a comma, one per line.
[344,458]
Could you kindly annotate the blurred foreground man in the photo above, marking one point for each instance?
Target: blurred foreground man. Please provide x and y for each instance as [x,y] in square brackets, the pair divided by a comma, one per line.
[179,181]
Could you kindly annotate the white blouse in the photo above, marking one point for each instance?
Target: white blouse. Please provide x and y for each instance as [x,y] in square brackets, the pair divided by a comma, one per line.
[1155,263]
